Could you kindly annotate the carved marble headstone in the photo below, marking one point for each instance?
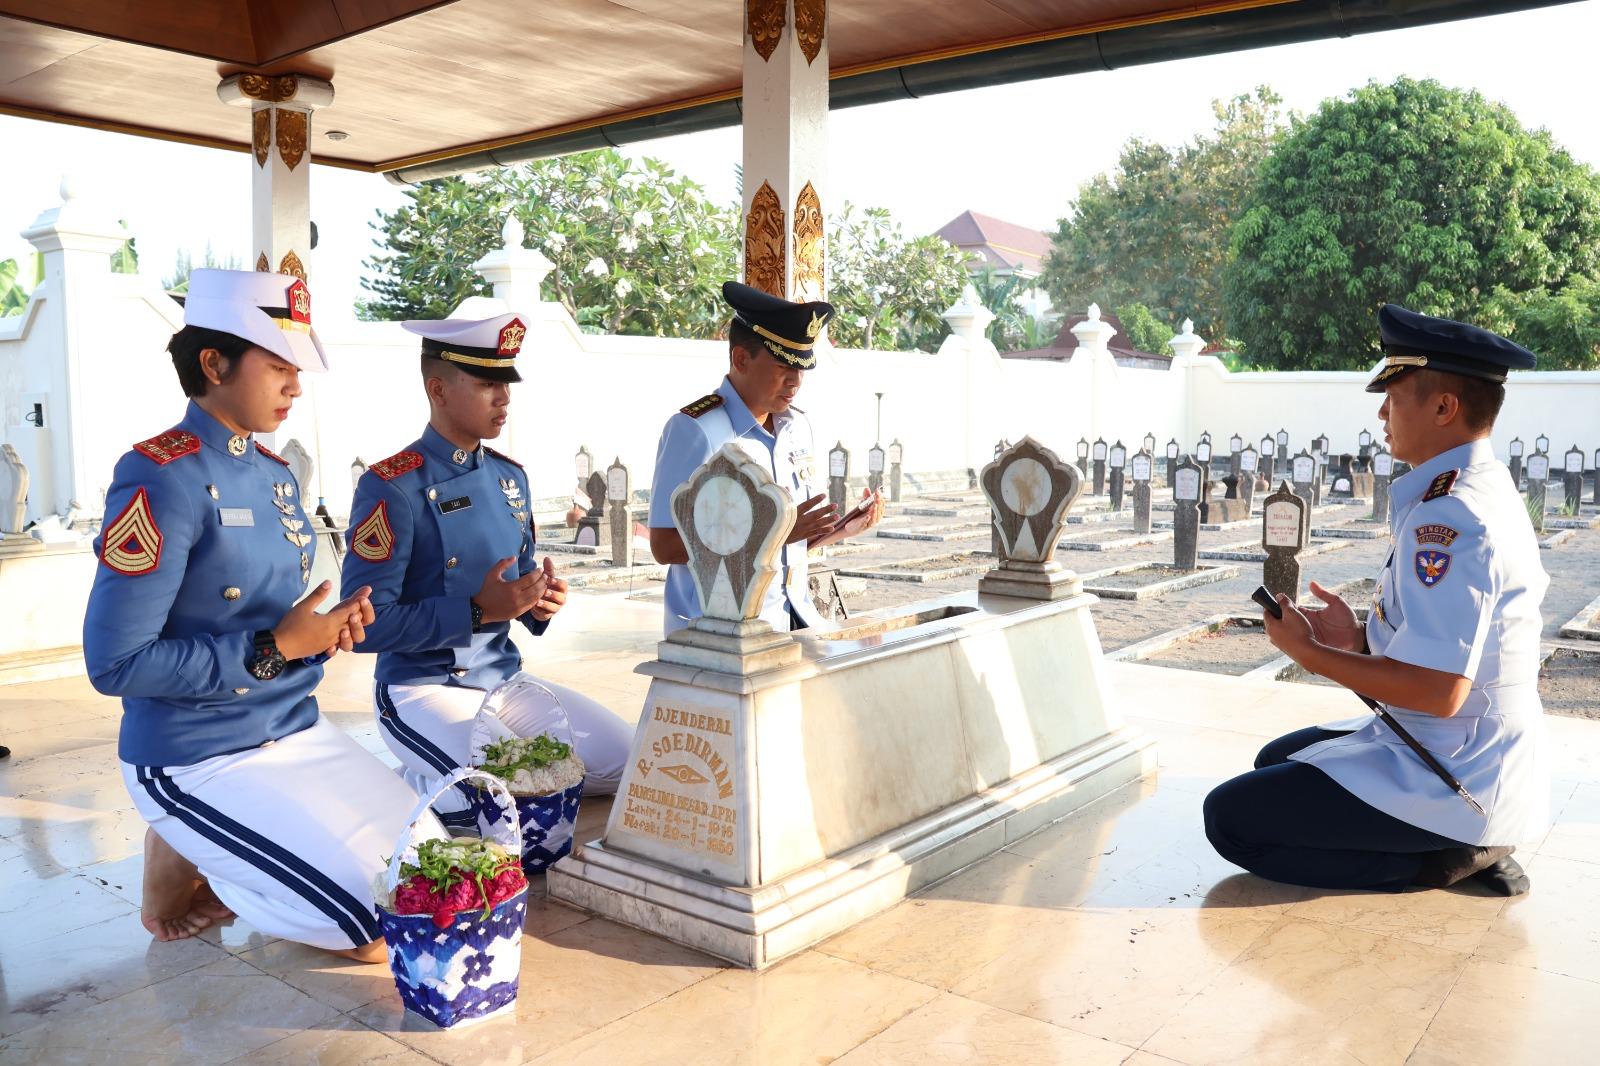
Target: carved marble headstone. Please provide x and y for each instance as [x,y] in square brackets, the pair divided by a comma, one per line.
[1285,524]
[1516,450]
[13,491]
[1538,475]
[875,463]
[583,465]
[619,490]
[733,519]
[1174,449]
[1202,454]
[301,466]
[1030,489]
[1572,479]
[1303,474]
[1269,455]
[1187,482]
[1382,474]
[1344,477]
[1140,468]
[1235,453]
[589,525]
[897,455]
[1083,457]
[1117,460]
[838,473]
[1098,455]
[357,468]
[1249,463]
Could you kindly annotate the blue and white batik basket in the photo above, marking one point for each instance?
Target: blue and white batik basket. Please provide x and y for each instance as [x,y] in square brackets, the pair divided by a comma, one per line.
[548,819]
[468,971]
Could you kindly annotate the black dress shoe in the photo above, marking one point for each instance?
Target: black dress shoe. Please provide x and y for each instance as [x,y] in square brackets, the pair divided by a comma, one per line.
[1504,878]
[5,752]
[1441,869]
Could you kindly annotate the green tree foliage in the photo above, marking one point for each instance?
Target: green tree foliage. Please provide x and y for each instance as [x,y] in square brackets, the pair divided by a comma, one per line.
[1412,193]
[125,260]
[1561,326]
[178,280]
[13,297]
[1009,332]
[637,248]
[889,291]
[1155,230]
[1143,330]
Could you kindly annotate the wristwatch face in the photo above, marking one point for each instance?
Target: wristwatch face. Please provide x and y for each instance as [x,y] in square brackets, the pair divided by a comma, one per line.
[267,665]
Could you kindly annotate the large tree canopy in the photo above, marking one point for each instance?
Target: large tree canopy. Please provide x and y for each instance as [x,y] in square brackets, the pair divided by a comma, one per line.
[1155,230]
[1412,193]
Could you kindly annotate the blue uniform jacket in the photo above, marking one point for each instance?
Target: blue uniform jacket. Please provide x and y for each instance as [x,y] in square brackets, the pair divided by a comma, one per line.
[208,544]
[424,530]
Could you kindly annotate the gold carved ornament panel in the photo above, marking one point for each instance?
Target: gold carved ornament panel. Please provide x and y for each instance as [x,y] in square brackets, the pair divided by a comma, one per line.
[764,22]
[262,265]
[291,265]
[810,26]
[810,246]
[261,135]
[269,88]
[764,242]
[292,127]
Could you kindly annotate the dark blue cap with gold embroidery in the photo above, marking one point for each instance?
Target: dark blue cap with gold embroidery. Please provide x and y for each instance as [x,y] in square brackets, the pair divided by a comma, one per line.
[1412,341]
[789,330]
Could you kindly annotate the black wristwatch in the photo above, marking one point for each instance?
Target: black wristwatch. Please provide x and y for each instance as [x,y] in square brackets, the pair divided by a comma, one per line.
[477,616]
[267,662]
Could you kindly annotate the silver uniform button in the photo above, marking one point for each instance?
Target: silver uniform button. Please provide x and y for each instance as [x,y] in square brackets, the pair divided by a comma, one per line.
[458,672]
[240,691]
[433,494]
[450,563]
[230,593]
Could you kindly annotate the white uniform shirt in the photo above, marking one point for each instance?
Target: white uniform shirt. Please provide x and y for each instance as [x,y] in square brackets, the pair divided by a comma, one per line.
[1459,594]
[687,443]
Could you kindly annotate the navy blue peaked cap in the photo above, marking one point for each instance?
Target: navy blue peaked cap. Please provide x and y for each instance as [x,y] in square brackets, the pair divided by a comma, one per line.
[1412,341]
[789,330]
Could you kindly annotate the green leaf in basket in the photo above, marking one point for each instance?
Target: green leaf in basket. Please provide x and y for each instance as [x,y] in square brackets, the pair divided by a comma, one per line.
[504,758]
[449,862]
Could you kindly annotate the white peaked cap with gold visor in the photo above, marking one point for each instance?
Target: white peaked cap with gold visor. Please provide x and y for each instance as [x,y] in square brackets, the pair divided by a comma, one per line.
[271,311]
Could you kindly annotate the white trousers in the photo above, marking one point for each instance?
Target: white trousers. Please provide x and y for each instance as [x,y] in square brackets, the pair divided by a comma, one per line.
[291,835]
[429,729]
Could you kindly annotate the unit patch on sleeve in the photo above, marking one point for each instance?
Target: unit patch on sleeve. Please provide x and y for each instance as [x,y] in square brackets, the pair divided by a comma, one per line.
[1436,534]
[397,464]
[131,543]
[165,447]
[1431,566]
[373,539]
[1441,485]
[702,405]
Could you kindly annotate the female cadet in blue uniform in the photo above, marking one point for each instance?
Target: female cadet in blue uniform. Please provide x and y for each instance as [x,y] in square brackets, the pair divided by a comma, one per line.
[771,344]
[1451,647]
[257,805]
[443,534]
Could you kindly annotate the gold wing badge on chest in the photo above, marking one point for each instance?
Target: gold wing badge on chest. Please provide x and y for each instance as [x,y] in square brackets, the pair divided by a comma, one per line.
[283,494]
[514,498]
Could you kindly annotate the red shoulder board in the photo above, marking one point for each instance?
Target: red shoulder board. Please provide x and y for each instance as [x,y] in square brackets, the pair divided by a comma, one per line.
[270,454]
[702,405]
[396,464]
[165,447]
[1441,485]
[498,455]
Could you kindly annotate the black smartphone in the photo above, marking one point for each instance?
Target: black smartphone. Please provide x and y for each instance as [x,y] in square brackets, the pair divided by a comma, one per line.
[1267,602]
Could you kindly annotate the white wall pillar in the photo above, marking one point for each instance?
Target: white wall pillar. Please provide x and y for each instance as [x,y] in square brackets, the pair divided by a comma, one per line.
[280,161]
[1186,348]
[1094,337]
[76,239]
[516,272]
[785,147]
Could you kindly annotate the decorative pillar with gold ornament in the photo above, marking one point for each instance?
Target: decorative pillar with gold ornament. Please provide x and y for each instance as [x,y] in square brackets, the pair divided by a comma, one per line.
[785,147]
[280,163]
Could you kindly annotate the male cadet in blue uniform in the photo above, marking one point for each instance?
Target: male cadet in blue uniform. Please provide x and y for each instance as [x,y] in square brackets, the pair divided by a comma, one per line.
[201,618]
[443,532]
[1451,647]
[771,344]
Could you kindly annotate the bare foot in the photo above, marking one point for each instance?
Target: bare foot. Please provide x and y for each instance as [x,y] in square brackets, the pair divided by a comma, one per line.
[377,951]
[207,903]
[168,908]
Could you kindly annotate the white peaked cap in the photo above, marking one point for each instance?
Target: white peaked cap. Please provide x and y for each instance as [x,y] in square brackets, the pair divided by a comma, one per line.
[271,311]
[485,347]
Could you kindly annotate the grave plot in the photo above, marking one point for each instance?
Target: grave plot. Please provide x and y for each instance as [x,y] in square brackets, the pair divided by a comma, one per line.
[589,572]
[1222,644]
[1250,551]
[1569,682]
[924,570]
[1100,539]
[1360,529]
[1585,625]
[938,533]
[1140,581]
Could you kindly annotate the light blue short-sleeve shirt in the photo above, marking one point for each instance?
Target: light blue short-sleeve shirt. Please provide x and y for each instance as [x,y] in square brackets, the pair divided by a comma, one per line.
[786,452]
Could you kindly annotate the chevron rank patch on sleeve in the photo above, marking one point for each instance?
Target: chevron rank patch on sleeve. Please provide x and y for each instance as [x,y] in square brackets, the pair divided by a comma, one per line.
[373,539]
[131,542]
[702,405]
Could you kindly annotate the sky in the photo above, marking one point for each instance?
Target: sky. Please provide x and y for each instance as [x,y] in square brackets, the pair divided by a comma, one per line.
[1018,152]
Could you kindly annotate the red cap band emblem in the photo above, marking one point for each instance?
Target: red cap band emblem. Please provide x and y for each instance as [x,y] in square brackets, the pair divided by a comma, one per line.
[299,302]
[511,337]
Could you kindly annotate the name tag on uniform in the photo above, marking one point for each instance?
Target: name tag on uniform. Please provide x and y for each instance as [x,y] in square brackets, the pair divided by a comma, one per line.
[237,516]
[460,503]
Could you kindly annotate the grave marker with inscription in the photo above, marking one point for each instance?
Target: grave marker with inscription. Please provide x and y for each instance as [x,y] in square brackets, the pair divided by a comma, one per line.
[1269,452]
[619,492]
[1382,474]
[1517,448]
[583,464]
[1235,450]
[1118,460]
[1303,472]
[589,525]
[875,464]
[1538,475]
[1171,465]
[1030,490]
[1344,477]
[838,472]
[1098,454]
[1572,480]
[1083,457]
[1285,525]
[897,453]
[1186,485]
[1140,467]
[1249,464]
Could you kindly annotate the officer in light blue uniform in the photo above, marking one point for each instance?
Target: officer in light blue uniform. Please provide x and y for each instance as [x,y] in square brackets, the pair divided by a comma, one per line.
[772,342]
[202,559]
[1450,646]
[430,529]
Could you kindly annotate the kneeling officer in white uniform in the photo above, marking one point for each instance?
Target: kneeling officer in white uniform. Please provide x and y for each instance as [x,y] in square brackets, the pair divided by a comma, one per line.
[1451,648]
[443,533]
[257,805]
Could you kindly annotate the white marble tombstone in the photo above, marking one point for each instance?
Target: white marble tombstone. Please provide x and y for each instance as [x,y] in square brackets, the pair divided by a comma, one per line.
[618,489]
[13,491]
[301,466]
[1030,490]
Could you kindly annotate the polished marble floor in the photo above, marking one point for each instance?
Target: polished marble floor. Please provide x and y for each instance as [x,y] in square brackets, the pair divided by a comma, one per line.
[1115,936]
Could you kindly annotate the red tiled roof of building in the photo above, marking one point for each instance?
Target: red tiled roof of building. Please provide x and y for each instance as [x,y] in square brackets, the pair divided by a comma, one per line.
[1002,245]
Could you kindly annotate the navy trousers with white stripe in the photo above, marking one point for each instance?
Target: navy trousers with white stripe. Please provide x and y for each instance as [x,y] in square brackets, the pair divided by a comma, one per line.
[290,835]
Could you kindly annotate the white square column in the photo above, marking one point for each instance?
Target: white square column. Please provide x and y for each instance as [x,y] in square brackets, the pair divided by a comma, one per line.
[785,147]
[280,154]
